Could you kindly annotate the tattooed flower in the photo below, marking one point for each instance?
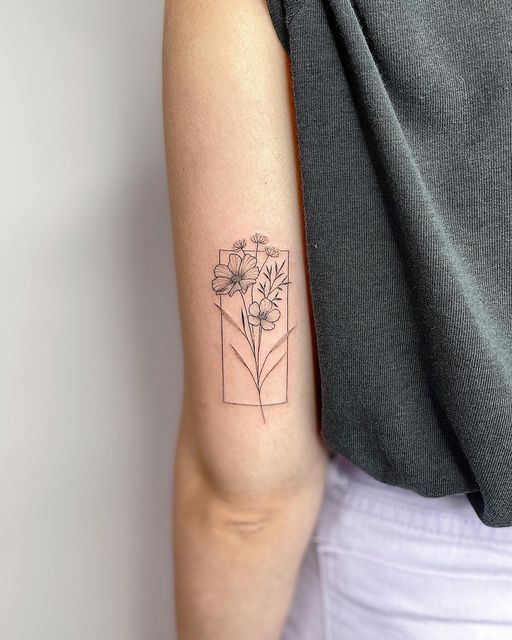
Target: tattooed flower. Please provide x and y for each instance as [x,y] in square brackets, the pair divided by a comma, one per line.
[264,313]
[238,275]
[259,238]
[239,244]
[272,252]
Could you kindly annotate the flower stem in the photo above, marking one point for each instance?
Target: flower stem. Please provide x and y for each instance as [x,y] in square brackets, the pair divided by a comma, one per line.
[258,359]
[261,407]
[258,374]
[256,355]
[253,346]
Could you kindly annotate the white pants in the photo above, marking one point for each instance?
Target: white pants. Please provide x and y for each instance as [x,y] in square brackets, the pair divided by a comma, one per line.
[387,564]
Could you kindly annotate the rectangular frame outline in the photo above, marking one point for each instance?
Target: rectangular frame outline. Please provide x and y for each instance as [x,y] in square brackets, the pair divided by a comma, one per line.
[242,404]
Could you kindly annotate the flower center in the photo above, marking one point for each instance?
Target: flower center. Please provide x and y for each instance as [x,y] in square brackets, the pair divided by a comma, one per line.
[235,279]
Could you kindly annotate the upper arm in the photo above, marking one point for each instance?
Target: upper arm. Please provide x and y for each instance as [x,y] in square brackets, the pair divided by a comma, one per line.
[233,171]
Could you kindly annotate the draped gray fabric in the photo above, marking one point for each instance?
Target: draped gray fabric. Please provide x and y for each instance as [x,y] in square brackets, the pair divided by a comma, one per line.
[404,117]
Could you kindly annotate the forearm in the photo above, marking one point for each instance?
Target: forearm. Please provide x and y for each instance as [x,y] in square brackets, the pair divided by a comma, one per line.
[236,559]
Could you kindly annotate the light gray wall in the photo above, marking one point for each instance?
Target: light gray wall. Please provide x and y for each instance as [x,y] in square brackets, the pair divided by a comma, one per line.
[90,368]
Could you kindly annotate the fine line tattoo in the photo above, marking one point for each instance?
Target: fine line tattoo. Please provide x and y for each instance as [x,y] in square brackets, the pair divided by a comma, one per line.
[252,285]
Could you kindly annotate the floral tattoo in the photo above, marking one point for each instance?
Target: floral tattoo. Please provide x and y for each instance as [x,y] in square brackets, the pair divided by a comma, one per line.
[252,285]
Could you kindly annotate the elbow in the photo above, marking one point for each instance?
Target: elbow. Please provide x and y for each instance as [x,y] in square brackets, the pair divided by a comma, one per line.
[242,491]
[246,525]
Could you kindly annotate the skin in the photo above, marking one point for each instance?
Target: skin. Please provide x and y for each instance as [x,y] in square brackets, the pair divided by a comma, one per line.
[247,494]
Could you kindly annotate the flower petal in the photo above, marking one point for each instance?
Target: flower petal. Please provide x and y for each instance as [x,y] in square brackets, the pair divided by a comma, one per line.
[222,271]
[268,326]
[234,263]
[265,306]
[236,287]
[245,284]
[248,263]
[254,309]
[254,320]
[273,315]
[251,274]
[221,285]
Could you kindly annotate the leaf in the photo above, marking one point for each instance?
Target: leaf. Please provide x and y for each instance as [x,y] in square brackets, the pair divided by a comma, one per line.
[276,346]
[282,275]
[281,340]
[245,364]
[228,318]
[243,319]
[279,272]
[272,369]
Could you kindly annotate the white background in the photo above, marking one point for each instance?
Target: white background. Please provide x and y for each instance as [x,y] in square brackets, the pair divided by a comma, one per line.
[90,357]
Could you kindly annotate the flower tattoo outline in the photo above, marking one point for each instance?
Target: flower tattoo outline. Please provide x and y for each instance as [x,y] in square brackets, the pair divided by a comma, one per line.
[264,313]
[238,275]
[260,278]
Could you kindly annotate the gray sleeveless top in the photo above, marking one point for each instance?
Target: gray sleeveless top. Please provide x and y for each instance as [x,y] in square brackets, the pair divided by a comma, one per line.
[404,117]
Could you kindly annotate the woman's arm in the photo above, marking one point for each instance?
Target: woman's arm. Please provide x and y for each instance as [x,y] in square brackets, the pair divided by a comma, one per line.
[249,470]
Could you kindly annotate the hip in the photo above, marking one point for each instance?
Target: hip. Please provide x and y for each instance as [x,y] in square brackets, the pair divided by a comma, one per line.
[387,563]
